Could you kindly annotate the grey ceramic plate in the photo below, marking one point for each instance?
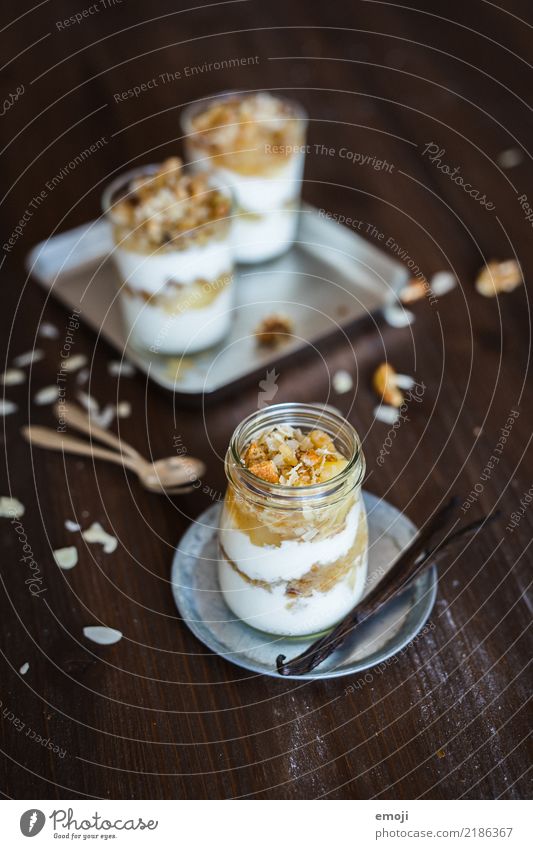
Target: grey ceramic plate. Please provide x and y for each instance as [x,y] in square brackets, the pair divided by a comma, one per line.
[204,611]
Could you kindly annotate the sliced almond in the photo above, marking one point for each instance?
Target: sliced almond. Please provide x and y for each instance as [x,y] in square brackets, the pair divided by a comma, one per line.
[497,277]
[66,558]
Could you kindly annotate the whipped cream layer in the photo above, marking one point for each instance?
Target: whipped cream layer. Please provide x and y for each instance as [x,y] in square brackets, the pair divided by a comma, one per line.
[292,558]
[272,611]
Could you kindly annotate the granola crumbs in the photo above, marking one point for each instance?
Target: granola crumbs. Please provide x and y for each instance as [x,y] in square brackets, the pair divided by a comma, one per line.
[273,330]
[497,277]
[287,456]
[385,386]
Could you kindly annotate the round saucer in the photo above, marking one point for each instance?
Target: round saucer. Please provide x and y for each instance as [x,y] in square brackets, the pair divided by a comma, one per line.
[203,609]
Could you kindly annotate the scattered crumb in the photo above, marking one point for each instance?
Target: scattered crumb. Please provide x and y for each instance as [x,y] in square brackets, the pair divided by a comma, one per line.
[11,508]
[510,158]
[273,330]
[72,526]
[397,316]
[415,290]
[24,668]
[74,363]
[7,407]
[97,534]
[387,415]
[66,558]
[385,385]
[47,395]
[342,381]
[104,417]
[82,376]
[441,753]
[87,401]
[476,431]
[404,381]
[29,357]
[123,409]
[48,331]
[103,636]
[497,277]
[443,282]
[12,377]
[120,368]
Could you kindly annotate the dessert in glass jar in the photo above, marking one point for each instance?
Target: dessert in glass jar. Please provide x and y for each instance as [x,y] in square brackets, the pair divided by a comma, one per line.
[173,251]
[255,143]
[293,533]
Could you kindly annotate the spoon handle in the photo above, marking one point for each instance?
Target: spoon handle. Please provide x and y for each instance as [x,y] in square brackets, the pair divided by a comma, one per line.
[45,437]
[77,418]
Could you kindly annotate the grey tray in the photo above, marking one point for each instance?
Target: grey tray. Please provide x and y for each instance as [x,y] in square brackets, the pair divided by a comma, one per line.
[328,280]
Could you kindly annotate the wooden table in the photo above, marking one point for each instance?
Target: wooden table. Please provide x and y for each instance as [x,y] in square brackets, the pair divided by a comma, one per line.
[157,715]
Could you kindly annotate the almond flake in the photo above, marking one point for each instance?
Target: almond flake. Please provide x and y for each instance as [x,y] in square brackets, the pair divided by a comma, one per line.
[66,558]
[28,358]
[74,363]
[342,381]
[12,377]
[104,417]
[48,331]
[47,395]
[7,407]
[102,635]
[443,282]
[87,401]
[510,158]
[397,316]
[387,415]
[24,668]
[82,376]
[11,508]
[97,534]
[404,381]
[120,368]
[72,526]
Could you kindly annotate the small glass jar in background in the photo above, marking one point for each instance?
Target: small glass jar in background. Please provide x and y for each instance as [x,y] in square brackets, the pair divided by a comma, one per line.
[172,235]
[255,144]
[293,559]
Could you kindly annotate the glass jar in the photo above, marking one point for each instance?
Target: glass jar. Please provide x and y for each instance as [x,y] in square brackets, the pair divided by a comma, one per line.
[259,153]
[293,559]
[176,297]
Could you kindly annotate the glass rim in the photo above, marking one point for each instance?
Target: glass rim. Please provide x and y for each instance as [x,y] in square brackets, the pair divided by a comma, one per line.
[323,415]
[195,106]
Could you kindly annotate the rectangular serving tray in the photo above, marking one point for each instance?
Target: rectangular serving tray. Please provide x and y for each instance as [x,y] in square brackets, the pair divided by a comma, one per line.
[330,279]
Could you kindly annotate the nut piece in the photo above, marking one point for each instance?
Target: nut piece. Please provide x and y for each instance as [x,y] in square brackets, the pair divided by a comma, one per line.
[254,454]
[384,382]
[414,290]
[320,439]
[273,330]
[265,470]
[498,277]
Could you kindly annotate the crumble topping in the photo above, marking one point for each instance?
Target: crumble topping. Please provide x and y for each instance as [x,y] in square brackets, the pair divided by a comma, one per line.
[252,133]
[169,209]
[287,456]
[273,330]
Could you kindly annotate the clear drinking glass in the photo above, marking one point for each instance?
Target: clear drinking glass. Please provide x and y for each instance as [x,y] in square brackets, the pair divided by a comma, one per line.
[177,280]
[293,559]
[255,144]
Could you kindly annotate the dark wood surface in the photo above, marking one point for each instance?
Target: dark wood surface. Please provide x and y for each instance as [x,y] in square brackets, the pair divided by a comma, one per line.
[157,715]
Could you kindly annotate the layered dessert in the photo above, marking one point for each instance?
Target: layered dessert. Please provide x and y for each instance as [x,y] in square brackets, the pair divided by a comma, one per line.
[296,564]
[171,231]
[255,144]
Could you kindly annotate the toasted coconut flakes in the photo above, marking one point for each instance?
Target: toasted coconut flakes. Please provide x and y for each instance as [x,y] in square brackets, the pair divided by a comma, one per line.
[120,368]
[28,358]
[443,282]
[7,407]
[96,533]
[397,316]
[123,409]
[387,415]
[82,376]
[101,635]
[66,558]
[47,395]
[72,526]
[11,508]
[404,381]
[49,331]
[24,668]
[104,417]
[342,381]
[74,363]
[498,277]
[510,158]
[414,291]
[12,377]
[87,401]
